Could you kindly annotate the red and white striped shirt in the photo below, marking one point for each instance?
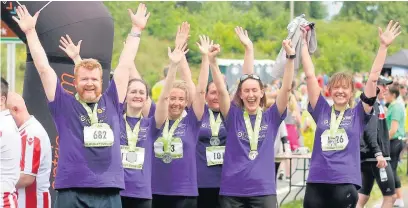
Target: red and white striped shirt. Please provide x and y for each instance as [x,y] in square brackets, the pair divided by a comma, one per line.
[36,158]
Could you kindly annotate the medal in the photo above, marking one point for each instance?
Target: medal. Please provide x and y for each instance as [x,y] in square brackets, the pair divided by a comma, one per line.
[167,158]
[252,155]
[215,141]
[131,157]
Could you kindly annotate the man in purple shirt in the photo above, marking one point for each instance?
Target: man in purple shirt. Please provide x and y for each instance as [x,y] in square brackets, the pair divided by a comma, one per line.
[89,173]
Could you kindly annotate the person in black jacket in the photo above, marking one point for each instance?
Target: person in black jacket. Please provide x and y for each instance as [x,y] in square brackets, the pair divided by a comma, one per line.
[375,154]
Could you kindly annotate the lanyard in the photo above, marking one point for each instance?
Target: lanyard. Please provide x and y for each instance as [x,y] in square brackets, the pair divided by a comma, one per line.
[214,124]
[253,134]
[168,134]
[132,135]
[335,122]
[93,115]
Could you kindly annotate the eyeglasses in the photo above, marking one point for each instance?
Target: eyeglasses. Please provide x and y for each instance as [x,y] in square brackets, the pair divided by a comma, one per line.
[247,76]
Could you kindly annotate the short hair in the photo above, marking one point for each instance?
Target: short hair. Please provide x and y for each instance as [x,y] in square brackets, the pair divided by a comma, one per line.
[394,91]
[4,87]
[89,64]
[339,78]
[180,84]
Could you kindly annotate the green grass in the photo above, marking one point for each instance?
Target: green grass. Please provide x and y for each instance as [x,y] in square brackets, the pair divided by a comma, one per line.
[375,193]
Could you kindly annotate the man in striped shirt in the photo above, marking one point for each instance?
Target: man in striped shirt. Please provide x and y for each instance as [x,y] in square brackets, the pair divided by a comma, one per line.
[35,164]
[9,153]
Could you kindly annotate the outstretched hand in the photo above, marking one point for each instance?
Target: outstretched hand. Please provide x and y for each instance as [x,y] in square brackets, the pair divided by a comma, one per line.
[182,33]
[205,44]
[243,36]
[388,36]
[139,19]
[287,45]
[214,51]
[178,53]
[69,47]
[25,21]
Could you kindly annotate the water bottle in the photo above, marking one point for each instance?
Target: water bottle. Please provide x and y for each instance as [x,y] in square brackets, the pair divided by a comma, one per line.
[383,175]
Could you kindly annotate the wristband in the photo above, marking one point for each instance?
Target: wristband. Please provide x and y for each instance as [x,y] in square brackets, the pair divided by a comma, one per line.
[368,101]
[135,34]
[291,56]
[378,154]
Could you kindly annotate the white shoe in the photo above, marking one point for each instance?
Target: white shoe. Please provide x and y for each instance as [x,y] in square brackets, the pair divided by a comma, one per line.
[399,203]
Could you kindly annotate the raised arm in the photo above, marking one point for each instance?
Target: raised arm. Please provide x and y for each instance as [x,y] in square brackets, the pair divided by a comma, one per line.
[313,89]
[71,49]
[121,75]
[386,38]
[282,98]
[199,99]
[242,34]
[162,105]
[48,76]
[218,80]
[185,72]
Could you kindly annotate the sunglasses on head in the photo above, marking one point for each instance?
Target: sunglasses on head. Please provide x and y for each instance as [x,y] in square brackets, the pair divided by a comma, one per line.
[247,76]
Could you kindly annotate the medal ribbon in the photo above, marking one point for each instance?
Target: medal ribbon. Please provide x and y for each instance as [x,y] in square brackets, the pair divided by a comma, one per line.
[253,134]
[132,135]
[214,124]
[168,134]
[93,115]
[335,122]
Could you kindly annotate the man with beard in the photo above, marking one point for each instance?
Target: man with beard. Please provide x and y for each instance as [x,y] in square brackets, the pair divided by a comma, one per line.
[90,173]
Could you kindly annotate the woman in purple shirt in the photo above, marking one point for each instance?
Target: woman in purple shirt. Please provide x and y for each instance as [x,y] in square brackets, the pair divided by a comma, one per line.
[335,175]
[212,136]
[174,130]
[248,174]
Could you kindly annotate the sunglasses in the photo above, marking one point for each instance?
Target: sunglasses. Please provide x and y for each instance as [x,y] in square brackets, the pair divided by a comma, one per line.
[247,76]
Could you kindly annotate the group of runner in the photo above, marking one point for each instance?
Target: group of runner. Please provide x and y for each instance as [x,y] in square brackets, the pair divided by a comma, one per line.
[195,146]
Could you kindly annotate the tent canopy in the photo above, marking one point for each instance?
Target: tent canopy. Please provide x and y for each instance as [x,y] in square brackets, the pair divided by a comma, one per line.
[398,59]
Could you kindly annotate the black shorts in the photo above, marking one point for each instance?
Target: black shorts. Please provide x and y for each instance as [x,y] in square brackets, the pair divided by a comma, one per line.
[163,201]
[321,195]
[130,202]
[208,197]
[370,172]
[268,201]
[87,197]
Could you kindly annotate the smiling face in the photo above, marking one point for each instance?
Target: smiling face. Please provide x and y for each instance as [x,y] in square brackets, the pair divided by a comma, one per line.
[136,95]
[251,94]
[88,84]
[212,97]
[341,88]
[177,102]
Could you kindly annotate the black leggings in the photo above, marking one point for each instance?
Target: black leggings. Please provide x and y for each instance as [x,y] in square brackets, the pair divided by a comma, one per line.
[130,202]
[208,197]
[268,201]
[396,147]
[370,172]
[162,201]
[320,195]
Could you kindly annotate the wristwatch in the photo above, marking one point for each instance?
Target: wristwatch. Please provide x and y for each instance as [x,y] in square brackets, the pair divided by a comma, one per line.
[291,56]
[135,34]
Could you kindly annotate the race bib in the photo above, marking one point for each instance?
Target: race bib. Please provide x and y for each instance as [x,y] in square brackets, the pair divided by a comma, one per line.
[215,155]
[175,146]
[336,143]
[98,135]
[132,159]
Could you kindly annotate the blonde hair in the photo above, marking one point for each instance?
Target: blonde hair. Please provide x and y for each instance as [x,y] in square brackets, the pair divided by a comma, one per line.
[340,78]
[180,84]
[89,64]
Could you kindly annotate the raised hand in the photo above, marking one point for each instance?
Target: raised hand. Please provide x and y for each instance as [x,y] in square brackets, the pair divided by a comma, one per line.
[182,33]
[287,45]
[69,47]
[178,53]
[214,51]
[139,19]
[25,20]
[205,44]
[392,31]
[243,36]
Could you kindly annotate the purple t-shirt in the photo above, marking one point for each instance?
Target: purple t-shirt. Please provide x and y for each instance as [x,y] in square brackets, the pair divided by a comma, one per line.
[341,166]
[178,178]
[208,176]
[138,182]
[80,166]
[240,175]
